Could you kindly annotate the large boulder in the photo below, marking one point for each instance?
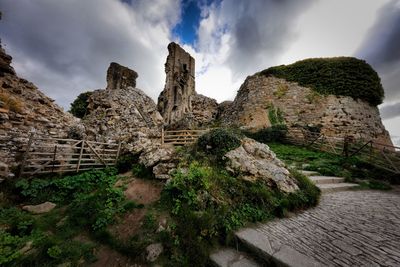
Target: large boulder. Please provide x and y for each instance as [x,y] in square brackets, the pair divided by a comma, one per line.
[254,161]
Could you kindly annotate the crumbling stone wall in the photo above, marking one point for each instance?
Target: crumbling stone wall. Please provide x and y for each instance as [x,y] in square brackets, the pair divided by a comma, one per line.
[24,109]
[299,107]
[176,99]
[123,113]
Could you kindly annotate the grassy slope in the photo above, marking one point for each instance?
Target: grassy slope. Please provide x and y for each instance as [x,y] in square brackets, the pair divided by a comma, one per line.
[198,210]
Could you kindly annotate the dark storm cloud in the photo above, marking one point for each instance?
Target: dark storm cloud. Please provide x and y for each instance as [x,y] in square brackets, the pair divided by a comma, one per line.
[381,48]
[391,111]
[261,31]
[65,47]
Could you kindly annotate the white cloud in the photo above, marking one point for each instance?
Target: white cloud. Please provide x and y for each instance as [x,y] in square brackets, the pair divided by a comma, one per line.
[65,47]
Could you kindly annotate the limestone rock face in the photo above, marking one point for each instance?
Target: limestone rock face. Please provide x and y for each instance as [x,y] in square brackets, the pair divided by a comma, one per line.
[176,99]
[255,161]
[24,109]
[120,77]
[300,107]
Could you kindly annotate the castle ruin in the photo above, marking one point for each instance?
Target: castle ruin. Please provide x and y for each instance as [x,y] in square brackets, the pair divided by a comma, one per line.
[176,99]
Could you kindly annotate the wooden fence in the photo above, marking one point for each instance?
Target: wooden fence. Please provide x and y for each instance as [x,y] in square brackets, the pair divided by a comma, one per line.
[380,155]
[181,137]
[53,155]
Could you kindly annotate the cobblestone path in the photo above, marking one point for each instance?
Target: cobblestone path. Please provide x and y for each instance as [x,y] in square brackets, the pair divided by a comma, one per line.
[350,228]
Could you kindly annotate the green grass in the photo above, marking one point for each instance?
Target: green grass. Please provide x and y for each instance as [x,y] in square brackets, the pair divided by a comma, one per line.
[303,158]
[86,204]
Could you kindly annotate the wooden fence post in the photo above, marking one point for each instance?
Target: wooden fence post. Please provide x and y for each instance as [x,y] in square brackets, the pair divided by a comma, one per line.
[26,154]
[54,157]
[80,156]
[118,151]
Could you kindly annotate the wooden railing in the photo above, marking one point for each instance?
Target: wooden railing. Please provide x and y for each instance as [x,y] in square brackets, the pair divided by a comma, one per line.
[57,155]
[386,157]
[181,137]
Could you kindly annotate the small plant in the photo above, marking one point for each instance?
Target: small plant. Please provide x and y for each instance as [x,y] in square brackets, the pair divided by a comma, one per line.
[80,104]
[275,115]
[281,90]
[10,102]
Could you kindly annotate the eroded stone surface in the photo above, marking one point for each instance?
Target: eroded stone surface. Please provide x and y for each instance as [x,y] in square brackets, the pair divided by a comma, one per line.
[350,228]
[254,161]
[119,76]
[300,107]
[176,99]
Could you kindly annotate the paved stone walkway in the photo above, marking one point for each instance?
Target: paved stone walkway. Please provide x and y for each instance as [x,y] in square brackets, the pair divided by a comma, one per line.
[350,228]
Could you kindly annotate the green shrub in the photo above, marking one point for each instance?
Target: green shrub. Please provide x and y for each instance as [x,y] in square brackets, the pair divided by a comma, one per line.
[275,133]
[9,247]
[79,106]
[375,184]
[344,76]
[125,162]
[219,141]
[61,190]
[140,171]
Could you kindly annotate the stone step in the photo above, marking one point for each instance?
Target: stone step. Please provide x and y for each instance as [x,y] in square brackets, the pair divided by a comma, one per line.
[273,252]
[326,179]
[309,173]
[327,188]
[228,257]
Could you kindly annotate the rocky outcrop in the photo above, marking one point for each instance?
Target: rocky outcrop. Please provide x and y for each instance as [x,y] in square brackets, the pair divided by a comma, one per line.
[120,77]
[264,101]
[24,109]
[254,161]
[161,160]
[176,99]
[124,114]
[5,63]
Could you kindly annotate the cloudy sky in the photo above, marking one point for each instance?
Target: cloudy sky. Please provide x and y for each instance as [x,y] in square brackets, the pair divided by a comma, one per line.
[65,46]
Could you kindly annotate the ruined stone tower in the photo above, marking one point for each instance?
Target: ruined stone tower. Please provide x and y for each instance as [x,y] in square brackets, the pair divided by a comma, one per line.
[175,101]
[119,77]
